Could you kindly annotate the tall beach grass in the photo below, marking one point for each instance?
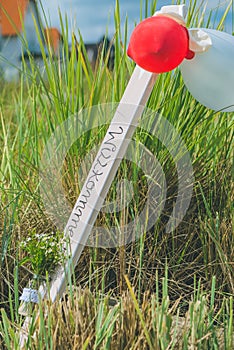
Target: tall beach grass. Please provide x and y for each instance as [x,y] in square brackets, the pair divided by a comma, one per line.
[164,291]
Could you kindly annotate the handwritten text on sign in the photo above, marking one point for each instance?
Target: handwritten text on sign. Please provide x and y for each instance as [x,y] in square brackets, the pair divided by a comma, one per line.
[105,154]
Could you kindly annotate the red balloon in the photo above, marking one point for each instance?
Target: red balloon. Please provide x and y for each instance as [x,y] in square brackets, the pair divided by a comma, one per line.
[159,44]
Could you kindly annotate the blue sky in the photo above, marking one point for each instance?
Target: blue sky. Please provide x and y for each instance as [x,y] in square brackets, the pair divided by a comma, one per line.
[93,16]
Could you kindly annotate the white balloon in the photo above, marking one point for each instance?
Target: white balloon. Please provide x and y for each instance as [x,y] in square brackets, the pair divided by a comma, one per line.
[209,76]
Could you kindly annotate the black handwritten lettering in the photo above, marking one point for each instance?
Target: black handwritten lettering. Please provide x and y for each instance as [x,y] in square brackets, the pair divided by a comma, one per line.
[70,231]
[90,185]
[99,162]
[78,212]
[107,156]
[96,173]
[82,203]
[112,133]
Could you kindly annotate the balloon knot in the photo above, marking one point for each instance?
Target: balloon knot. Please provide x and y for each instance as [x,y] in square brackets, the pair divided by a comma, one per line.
[190,55]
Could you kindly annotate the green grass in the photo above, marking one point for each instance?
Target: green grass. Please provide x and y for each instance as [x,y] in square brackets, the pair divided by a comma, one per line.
[168,291]
[97,321]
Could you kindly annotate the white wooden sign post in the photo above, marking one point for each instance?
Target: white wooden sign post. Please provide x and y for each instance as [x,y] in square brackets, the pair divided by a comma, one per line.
[103,170]
[100,177]
[106,163]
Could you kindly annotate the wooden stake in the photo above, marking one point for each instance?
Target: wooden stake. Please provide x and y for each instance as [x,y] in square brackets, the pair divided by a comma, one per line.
[99,180]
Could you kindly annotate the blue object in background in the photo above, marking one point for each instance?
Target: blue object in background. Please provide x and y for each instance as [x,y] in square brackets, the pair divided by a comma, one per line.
[92,17]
